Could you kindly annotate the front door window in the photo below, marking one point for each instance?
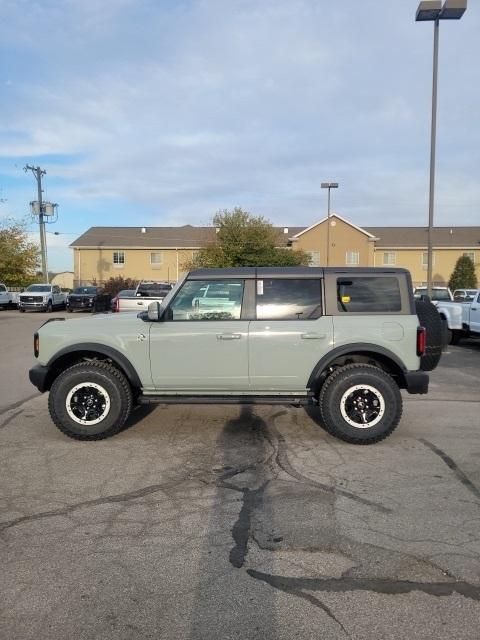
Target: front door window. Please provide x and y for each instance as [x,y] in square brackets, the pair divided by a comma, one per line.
[208,300]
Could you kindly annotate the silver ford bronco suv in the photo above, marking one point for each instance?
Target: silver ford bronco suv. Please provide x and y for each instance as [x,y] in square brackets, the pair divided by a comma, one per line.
[343,340]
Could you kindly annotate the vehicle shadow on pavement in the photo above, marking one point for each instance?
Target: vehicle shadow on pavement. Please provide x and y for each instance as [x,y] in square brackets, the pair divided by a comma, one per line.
[244,456]
[139,413]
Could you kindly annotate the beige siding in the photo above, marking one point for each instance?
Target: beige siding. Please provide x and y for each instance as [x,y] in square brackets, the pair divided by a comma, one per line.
[343,238]
[96,265]
[411,259]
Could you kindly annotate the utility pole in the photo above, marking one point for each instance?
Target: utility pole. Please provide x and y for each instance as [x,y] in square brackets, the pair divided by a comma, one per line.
[38,173]
[328,185]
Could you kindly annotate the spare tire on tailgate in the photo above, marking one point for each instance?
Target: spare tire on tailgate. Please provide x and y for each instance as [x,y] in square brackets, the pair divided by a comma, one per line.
[430,319]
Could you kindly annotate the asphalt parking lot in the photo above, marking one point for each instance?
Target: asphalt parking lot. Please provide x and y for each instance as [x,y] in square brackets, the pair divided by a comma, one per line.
[225,522]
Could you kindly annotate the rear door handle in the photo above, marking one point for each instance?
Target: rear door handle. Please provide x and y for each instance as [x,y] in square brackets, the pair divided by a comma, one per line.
[229,336]
[313,336]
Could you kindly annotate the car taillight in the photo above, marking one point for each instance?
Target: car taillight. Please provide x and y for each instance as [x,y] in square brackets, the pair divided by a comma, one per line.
[421,341]
[36,344]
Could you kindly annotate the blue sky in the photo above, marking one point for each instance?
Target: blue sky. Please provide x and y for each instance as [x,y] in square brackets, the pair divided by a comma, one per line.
[161,112]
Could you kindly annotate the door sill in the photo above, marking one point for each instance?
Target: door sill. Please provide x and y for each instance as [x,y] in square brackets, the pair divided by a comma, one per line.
[246,399]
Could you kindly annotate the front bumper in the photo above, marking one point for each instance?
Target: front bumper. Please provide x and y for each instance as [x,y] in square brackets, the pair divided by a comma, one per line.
[32,305]
[38,377]
[416,381]
[80,305]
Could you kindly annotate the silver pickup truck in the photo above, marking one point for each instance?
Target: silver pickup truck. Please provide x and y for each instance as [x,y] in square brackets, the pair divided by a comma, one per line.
[461,319]
[145,293]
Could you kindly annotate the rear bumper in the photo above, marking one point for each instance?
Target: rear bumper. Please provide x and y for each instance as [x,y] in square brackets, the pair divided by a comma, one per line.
[416,381]
[38,377]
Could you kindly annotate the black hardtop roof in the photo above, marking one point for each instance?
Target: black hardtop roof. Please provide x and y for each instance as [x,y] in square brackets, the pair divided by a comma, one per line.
[286,272]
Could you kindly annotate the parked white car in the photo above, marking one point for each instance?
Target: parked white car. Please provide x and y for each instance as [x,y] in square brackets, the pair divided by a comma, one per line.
[43,297]
[466,295]
[461,319]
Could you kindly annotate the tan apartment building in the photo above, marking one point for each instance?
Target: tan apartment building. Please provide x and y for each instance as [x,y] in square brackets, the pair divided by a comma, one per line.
[159,253]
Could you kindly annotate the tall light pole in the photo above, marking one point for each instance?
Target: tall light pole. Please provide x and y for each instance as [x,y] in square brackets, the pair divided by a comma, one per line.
[432,10]
[328,185]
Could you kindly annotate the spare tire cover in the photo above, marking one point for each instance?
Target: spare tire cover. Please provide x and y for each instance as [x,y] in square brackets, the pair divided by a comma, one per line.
[430,319]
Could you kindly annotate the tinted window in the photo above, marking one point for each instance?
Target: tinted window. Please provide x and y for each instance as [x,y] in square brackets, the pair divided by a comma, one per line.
[208,300]
[152,289]
[370,295]
[288,299]
[87,290]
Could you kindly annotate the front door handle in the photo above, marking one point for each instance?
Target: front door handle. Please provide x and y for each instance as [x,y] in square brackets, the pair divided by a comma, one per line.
[229,336]
[313,336]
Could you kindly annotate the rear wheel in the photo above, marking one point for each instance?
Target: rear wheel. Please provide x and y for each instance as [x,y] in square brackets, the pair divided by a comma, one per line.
[90,401]
[360,403]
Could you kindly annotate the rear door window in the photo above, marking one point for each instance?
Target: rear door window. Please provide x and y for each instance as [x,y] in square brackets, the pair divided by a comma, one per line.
[368,295]
[289,299]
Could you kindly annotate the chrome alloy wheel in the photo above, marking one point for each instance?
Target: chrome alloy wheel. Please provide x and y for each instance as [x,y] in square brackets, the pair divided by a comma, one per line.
[87,403]
[362,406]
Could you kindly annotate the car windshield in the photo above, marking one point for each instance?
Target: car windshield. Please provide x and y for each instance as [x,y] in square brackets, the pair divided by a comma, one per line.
[85,290]
[42,288]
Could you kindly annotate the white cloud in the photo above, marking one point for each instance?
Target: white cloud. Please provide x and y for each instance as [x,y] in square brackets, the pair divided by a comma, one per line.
[183,108]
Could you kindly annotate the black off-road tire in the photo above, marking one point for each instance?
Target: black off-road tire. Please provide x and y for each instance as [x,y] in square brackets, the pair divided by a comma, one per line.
[430,319]
[111,380]
[22,310]
[341,381]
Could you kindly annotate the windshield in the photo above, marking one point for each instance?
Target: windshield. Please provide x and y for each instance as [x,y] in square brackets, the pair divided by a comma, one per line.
[42,288]
[85,290]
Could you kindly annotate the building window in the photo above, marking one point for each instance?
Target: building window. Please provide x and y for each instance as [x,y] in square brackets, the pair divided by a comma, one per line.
[156,259]
[352,258]
[471,255]
[314,258]
[389,258]
[425,259]
[118,258]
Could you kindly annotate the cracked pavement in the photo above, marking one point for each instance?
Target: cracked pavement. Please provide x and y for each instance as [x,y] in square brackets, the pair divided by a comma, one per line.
[244,522]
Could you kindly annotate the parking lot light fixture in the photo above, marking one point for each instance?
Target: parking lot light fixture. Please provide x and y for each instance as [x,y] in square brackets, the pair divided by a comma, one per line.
[328,185]
[432,10]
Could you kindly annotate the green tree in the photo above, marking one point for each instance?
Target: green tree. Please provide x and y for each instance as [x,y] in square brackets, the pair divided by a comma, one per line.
[463,276]
[245,240]
[19,256]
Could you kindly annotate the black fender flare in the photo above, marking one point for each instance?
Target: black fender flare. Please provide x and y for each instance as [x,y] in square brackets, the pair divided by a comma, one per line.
[353,348]
[116,356]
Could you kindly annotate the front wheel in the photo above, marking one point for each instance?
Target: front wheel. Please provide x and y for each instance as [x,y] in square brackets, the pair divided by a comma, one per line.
[90,401]
[49,308]
[360,404]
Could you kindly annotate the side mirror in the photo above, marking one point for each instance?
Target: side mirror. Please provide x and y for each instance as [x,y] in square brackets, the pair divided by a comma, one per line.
[155,312]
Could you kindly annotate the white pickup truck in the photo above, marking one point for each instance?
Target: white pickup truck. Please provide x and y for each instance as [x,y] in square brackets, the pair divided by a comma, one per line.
[44,297]
[8,299]
[145,294]
[461,319]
